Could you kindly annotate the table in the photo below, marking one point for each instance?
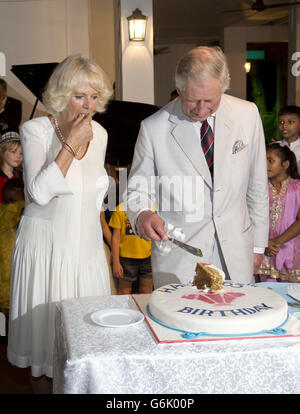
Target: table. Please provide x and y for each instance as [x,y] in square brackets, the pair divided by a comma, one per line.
[91,359]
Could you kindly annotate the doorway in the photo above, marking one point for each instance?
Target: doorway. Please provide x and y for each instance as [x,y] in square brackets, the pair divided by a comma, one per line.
[267,83]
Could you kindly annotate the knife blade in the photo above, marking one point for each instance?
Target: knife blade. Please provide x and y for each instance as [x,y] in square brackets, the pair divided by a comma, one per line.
[193,250]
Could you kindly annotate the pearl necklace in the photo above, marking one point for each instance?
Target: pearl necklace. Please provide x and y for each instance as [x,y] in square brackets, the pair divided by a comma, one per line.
[62,137]
[58,130]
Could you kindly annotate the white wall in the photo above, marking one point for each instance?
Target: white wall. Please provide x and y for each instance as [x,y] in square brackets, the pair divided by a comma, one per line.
[102,35]
[137,57]
[234,47]
[40,32]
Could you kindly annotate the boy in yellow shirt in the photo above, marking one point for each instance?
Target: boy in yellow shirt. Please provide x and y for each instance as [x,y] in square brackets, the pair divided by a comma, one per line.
[131,255]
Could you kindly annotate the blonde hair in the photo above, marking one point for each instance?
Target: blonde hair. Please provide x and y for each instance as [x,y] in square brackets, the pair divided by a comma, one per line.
[7,146]
[67,75]
[202,61]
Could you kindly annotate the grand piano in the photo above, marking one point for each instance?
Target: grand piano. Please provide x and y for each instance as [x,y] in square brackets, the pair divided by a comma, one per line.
[121,119]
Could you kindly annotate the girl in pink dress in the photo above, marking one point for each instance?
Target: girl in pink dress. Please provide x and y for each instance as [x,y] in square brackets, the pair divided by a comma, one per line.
[281,261]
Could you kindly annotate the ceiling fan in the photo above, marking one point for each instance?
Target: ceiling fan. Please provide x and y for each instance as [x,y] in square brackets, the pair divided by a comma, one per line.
[159,50]
[259,6]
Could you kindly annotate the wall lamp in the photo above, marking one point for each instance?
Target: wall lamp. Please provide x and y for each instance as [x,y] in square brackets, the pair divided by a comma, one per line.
[137,25]
[247,67]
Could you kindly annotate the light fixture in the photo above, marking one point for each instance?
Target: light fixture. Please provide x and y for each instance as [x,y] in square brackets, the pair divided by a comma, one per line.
[137,25]
[247,67]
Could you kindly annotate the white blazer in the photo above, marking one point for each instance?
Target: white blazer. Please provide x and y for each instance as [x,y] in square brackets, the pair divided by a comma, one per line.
[235,205]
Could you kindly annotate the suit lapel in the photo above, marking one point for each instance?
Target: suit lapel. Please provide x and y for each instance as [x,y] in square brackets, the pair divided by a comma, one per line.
[185,134]
[224,137]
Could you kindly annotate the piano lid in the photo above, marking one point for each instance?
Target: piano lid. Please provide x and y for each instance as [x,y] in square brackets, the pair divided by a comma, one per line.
[34,76]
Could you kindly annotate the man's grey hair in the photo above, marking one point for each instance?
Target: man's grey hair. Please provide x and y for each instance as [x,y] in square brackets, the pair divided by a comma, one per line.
[201,62]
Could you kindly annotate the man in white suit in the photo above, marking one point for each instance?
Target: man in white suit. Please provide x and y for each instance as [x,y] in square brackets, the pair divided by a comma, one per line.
[223,210]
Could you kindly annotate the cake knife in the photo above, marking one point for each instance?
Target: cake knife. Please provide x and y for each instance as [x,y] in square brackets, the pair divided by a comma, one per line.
[193,250]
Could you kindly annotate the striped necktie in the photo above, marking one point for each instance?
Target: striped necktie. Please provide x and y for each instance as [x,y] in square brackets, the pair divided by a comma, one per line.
[207,143]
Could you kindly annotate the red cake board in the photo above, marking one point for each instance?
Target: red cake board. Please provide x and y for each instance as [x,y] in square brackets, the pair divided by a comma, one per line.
[164,335]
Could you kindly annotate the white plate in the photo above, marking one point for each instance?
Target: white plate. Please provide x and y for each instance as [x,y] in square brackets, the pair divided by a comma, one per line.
[294,291]
[117,318]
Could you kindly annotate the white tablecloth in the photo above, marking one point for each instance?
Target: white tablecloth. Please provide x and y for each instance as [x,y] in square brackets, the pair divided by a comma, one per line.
[91,359]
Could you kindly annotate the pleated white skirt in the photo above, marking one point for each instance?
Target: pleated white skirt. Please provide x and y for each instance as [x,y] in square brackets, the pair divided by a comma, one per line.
[43,275]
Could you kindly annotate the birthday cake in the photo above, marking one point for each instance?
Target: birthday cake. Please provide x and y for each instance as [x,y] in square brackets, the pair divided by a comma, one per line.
[236,309]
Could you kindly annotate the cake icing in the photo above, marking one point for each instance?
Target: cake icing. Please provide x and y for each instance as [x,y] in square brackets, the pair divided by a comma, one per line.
[237,309]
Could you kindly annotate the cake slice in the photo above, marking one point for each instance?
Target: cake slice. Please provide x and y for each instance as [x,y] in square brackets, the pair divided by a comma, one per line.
[208,277]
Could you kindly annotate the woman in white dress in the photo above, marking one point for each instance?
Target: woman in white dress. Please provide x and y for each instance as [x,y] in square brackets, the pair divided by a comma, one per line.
[59,250]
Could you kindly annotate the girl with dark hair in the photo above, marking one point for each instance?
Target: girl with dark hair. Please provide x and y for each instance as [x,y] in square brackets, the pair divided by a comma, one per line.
[281,261]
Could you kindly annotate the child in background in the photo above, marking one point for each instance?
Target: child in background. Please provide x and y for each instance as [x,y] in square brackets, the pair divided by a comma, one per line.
[10,158]
[107,239]
[10,214]
[281,261]
[289,128]
[131,255]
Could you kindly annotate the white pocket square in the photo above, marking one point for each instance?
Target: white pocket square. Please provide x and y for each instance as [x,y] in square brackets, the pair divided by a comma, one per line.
[238,146]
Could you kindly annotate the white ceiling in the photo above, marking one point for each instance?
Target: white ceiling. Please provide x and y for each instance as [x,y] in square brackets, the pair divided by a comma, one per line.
[202,21]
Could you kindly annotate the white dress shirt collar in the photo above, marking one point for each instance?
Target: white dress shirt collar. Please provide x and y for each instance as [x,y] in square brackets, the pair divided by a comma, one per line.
[211,120]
